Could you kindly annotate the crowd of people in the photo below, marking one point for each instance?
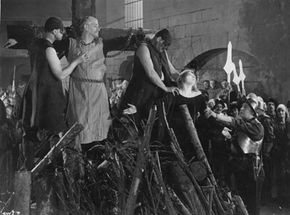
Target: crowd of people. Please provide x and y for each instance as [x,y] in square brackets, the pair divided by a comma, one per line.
[246,138]
[274,152]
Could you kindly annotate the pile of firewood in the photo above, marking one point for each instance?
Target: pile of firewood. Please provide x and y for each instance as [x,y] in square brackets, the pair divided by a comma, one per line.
[127,178]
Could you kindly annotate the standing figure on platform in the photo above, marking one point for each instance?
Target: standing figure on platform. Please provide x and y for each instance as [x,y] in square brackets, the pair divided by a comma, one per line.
[213,89]
[44,103]
[88,99]
[153,75]
[44,107]
[246,145]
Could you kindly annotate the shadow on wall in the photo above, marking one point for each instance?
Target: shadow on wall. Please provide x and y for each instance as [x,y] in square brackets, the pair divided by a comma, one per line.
[268,26]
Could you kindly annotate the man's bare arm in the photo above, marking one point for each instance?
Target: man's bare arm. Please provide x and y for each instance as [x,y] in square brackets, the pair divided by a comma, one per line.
[55,64]
[144,56]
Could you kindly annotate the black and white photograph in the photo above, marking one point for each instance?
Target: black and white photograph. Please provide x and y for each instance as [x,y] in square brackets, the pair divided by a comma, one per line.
[144,107]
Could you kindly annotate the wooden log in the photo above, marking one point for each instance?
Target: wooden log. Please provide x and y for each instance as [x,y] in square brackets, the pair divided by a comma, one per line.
[157,170]
[200,195]
[56,149]
[200,153]
[140,164]
[22,189]
[179,155]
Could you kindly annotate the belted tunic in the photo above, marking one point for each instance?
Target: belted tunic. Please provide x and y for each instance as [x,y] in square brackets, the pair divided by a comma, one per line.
[88,99]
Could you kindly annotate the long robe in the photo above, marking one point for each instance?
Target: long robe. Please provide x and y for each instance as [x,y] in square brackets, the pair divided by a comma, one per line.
[88,99]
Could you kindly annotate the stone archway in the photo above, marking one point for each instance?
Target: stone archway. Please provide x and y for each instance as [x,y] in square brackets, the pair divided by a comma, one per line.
[210,67]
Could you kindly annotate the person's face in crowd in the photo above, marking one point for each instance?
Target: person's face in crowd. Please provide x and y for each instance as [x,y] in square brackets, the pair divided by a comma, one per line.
[271,107]
[224,98]
[234,112]
[224,84]
[281,113]
[246,112]
[206,85]
[6,102]
[211,104]
[92,27]
[212,84]
[218,109]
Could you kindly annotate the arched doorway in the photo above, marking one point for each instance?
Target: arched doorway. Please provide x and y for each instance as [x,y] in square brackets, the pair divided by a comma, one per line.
[210,65]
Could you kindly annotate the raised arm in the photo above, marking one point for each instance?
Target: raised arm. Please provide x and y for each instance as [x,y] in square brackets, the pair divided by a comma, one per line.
[55,64]
[174,72]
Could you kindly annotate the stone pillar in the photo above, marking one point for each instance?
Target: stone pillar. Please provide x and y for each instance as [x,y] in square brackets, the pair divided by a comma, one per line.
[82,8]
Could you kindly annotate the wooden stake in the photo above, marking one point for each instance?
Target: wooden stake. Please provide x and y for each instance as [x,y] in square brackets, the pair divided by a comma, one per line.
[66,139]
[200,153]
[140,164]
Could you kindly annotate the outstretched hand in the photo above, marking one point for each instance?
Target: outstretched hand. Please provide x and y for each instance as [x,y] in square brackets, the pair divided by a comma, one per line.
[130,110]
[10,42]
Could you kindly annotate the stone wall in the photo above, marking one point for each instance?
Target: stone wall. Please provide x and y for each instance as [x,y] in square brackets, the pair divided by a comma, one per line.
[25,12]
[115,18]
[258,29]
[36,11]
[115,15]
[267,24]
[197,26]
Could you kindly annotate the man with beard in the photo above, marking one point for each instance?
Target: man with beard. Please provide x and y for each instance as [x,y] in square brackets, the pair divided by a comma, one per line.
[271,108]
[88,99]
[153,75]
